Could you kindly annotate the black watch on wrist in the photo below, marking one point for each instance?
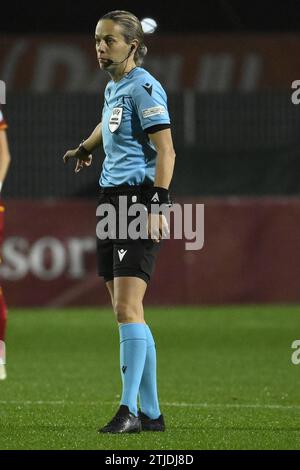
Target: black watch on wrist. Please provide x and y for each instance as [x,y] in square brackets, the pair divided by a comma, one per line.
[157,197]
[82,151]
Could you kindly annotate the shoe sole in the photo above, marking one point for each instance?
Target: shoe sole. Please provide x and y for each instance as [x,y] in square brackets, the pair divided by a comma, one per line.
[121,432]
[153,430]
[134,431]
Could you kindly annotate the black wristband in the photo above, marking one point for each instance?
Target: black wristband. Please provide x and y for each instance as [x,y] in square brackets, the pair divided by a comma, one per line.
[83,152]
[156,197]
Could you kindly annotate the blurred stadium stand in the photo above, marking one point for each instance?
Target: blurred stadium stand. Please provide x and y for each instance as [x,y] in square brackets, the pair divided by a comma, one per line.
[205,16]
[240,144]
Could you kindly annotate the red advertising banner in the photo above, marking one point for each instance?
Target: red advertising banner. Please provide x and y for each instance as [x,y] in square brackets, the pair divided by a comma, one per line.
[204,62]
[251,254]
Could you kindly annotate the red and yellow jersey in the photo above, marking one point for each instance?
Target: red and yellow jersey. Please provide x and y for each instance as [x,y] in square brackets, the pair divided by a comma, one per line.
[3,124]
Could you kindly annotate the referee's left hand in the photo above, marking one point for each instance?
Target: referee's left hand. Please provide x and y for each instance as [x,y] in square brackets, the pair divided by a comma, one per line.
[157,227]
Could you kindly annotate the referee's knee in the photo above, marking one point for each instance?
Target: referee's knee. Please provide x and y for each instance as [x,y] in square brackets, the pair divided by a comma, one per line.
[127,313]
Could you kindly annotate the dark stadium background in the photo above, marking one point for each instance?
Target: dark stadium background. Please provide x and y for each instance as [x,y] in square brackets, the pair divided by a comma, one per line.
[205,16]
[228,67]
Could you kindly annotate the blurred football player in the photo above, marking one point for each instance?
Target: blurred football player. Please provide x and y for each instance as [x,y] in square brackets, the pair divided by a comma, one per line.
[4,164]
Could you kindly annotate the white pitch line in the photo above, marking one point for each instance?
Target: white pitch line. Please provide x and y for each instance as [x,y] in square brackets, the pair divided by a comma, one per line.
[28,402]
[178,405]
[232,405]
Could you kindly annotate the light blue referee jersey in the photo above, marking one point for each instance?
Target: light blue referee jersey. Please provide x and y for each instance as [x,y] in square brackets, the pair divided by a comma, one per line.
[131,105]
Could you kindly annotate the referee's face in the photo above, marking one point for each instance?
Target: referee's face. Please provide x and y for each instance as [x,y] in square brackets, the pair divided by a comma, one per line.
[110,44]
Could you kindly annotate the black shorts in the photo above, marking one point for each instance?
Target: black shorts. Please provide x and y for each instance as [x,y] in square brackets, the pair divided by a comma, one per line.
[125,257]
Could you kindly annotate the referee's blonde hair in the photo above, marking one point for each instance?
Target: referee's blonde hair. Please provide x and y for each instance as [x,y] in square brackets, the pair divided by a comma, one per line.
[132,29]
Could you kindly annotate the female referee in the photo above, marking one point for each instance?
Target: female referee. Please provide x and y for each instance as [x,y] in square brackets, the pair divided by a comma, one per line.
[139,162]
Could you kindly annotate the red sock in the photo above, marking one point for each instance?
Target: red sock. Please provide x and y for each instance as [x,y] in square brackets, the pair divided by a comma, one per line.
[3,316]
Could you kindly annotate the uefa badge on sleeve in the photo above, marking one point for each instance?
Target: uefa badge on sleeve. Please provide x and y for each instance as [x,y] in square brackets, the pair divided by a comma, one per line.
[115,119]
[2,353]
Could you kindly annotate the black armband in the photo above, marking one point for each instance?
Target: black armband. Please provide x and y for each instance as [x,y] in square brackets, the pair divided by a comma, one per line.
[156,197]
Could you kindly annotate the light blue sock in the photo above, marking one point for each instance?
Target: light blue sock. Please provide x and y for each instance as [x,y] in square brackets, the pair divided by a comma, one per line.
[148,387]
[133,347]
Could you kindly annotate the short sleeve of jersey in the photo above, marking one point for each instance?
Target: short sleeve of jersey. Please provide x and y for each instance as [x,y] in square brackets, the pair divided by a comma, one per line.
[150,101]
[3,124]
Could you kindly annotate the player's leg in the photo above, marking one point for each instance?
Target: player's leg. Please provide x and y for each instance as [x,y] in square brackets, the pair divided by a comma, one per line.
[128,305]
[140,258]
[129,308]
[133,265]
[3,316]
[3,319]
[3,309]
[152,419]
[128,294]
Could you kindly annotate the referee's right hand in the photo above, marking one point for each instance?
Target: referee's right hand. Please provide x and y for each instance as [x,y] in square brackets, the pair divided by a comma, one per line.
[81,160]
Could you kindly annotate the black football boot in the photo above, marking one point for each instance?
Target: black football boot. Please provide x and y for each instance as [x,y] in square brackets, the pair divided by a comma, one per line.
[123,422]
[149,424]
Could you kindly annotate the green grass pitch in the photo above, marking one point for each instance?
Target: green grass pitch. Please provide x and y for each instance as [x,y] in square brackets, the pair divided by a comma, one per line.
[226,379]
